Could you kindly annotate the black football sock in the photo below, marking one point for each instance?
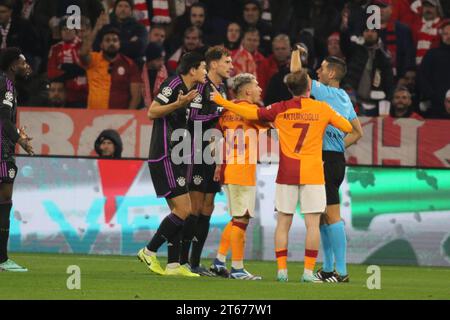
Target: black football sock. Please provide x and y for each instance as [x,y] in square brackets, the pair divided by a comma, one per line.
[200,235]
[5,209]
[173,248]
[169,227]
[187,234]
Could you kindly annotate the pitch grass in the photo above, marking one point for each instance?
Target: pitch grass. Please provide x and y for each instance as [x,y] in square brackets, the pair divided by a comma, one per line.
[119,277]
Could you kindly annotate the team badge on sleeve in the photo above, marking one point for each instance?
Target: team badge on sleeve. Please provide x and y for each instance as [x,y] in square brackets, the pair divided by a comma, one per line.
[167,92]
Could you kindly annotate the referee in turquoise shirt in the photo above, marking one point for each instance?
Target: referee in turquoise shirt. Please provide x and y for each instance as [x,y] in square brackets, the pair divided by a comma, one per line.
[332,230]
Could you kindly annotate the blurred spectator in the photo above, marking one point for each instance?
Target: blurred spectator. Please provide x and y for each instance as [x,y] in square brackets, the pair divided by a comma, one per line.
[281,48]
[195,16]
[447,105]
[56,94]
[233,37]
[369,72]
[402,105]
[64,61]
[154,72]
[133,35]
[250,42]
[157,34]
[425,30]
[354,16]
[334,46]
[58,9]
[251,16]
[396,39]
[409,81]
[85,26]
[322,20]
[276,87]
[109,144]
[17,32]
[192,41]
[113,79]
[243,59]
[434,76]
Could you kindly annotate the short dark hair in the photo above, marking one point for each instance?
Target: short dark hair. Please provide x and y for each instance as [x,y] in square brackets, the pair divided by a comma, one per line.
[250,30]
[108,30]
[157,26]
[254,2]
[7,3]
[198,5]
[8,56]
[297,82]
[188,61]
[402,89]
[338,65]
[193,29]
[216,53]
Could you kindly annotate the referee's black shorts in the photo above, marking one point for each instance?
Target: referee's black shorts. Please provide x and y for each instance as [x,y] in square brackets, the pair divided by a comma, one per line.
[334,170]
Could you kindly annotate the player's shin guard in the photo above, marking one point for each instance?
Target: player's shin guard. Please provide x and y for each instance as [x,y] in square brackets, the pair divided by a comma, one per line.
[238,244]
[187,233]
[328,258]
[339,245]
[5,209]
[201,233]
[169,227]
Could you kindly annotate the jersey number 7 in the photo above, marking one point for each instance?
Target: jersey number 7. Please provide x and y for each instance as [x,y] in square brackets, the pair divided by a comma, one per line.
[301,139]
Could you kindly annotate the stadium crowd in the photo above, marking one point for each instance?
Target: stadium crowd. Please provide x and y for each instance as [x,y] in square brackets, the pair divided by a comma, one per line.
[124,49]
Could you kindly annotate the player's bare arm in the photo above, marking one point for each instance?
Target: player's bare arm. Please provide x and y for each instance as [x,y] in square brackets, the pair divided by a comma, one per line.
[355,135]
[296,62]
[249,113]
[156,110]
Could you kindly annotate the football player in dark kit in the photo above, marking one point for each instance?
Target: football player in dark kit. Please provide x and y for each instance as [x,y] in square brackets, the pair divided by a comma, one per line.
[204,115]
[13,65]
[170,111]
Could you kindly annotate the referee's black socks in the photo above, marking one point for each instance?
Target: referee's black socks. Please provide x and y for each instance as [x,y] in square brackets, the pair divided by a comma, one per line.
[200,235]
[5,209]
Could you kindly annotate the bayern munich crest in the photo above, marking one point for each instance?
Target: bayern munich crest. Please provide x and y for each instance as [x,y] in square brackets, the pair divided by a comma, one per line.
[181,181]
[12,173]
[197,180]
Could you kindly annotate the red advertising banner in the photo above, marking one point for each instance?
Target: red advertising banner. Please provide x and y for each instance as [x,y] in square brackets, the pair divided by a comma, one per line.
[386,141]
[402,142]
[72,132]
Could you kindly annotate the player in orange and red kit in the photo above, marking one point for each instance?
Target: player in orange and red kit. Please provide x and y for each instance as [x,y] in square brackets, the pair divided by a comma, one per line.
[301,123]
